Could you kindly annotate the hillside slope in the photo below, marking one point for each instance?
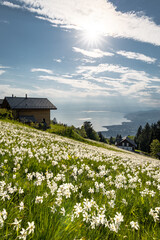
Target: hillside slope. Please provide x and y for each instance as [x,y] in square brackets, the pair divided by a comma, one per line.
[56,188]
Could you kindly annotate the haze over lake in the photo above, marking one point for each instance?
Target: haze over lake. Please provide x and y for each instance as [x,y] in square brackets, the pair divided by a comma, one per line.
[97,118]
[115,122]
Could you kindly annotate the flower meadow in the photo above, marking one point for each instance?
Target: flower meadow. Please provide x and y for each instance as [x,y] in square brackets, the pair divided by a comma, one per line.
[56,188]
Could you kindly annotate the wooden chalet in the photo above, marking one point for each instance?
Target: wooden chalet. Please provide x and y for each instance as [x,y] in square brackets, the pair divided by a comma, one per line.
[127,144]
[28,109]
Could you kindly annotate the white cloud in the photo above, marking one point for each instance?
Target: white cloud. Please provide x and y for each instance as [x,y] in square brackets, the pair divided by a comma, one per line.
[9,4]
[2,71]
[94,53]
[102,16]
[87,60]
[137,56]
[128,82]
[92,82]
[95,111]
[3,67]
[81,84]
[7,90]
[58,60]
[77,94]
[101,68]
[42,70]
[84,119]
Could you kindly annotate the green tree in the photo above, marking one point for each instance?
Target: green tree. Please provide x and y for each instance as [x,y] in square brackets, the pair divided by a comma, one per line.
[101,137]
[111,140]
[155,148]
[91,133]
[82,132]
[118,138]
[158,130]
[137,137]
[146,135]
[145,138]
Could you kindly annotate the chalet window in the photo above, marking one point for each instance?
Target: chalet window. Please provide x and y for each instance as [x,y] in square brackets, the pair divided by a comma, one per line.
[127,144]
[123,144]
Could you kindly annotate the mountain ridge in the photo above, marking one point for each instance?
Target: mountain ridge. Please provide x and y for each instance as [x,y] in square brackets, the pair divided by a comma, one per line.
[136,119]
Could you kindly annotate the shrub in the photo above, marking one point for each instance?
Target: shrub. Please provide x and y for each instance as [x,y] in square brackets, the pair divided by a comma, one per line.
[155,148]
[5,114]
[66,131]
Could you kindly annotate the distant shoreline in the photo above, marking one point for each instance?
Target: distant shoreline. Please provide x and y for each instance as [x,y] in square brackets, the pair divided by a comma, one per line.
[135,119]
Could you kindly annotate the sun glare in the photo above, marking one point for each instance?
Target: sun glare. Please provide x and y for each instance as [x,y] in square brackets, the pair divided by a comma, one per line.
[92,35]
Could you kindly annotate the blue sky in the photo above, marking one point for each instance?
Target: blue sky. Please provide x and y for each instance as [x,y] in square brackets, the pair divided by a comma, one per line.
[93,56]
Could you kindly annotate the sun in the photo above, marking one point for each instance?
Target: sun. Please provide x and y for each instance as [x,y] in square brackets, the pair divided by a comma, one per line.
[92,35]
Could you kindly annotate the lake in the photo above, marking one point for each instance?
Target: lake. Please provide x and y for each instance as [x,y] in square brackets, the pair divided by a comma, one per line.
[97,118]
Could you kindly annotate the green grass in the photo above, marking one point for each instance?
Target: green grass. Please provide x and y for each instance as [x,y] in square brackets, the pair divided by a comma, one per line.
[64,173]
[70,132]
[65,131]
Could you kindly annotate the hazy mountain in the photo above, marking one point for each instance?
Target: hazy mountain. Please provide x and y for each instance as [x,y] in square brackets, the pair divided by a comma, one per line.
[136,119]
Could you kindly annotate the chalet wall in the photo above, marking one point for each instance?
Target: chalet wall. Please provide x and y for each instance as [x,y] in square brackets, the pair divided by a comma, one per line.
[126,145]
[127,148]
[39,114]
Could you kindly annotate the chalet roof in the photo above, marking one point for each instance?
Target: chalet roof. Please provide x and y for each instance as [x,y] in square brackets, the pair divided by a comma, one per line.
[128,140]
[29,103]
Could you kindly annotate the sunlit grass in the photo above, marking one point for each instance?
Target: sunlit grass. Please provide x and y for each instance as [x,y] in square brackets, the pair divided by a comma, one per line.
[56,188]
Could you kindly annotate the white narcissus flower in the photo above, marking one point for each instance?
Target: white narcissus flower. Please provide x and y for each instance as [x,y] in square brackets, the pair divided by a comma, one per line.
[39,199]
[63,211]
[118,218]
[23,233]
[134,225]
[4,214]
[21,190]
[53,209]
[31,227]
[16,224]
[21,206]
[91,190]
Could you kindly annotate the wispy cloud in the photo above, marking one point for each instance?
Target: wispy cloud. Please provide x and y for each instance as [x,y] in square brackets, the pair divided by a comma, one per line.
[42,70]
[58,60]
[128,82]
[75,83]
[3,69]
[77,94]
[4,21]
[9,4]
[95,111]
[85,60]
[1,72]
[101,68]
[94,53]
[84,119]
[102,14]
[137,56]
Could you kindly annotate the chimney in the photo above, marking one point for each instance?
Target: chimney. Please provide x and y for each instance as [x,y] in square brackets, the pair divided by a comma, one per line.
[26,95]
[12,95]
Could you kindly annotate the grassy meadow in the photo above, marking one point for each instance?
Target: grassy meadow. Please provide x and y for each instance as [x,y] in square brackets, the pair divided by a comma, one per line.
[54,188]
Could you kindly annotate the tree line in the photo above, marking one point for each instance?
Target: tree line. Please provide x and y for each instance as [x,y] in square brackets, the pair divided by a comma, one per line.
[91,133]
[148,137]
[85,131]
